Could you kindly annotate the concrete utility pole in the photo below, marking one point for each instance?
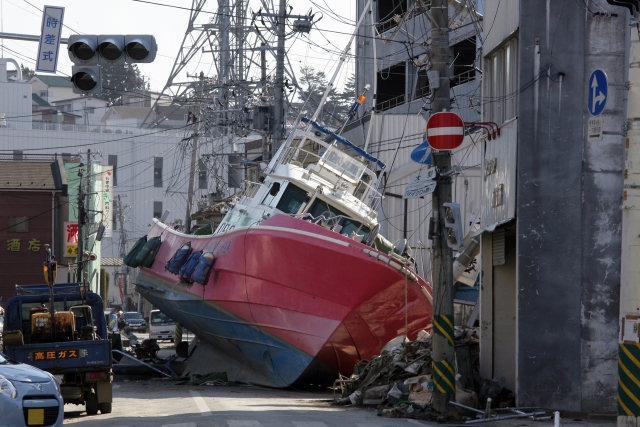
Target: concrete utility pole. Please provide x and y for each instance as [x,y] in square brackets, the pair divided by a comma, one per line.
[80,217]
[628,351]
[279,118]
[443,346]
[89,211]
[124,269]
[194,155]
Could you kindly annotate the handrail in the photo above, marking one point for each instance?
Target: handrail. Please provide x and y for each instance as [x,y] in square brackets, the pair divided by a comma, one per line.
[141,362]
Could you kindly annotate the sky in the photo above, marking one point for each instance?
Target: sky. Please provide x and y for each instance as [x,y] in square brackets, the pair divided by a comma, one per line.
[168,25]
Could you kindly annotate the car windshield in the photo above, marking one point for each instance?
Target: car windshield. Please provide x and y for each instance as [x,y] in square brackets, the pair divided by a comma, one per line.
[159,318]
[4,360]
[132,315]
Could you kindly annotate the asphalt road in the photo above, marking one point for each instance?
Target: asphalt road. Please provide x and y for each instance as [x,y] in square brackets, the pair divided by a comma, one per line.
[162,403]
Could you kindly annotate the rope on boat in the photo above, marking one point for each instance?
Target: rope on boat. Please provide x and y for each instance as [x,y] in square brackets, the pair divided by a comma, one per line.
[390,262]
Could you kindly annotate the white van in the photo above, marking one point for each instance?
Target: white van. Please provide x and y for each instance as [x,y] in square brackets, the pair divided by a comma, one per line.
[161,326]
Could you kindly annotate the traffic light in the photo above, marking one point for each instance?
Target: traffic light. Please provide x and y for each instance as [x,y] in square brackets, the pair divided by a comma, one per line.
[86,79]
[453,225]
[88,51]
[50,271]
[89,256]
[140,48]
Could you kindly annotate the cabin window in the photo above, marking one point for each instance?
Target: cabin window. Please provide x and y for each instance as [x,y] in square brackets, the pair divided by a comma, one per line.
[292,199]
[347,225]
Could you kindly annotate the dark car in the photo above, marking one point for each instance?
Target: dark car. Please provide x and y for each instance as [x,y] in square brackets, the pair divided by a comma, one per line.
[134,320]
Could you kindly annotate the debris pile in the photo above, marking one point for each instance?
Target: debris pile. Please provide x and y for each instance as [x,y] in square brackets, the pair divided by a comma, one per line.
[399,382]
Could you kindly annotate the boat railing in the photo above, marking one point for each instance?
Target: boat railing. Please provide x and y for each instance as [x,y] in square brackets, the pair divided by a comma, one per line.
[332,222]
[249,192]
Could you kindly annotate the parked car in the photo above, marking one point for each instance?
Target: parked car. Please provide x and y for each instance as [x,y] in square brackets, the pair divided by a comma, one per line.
[28,396]
[134,321]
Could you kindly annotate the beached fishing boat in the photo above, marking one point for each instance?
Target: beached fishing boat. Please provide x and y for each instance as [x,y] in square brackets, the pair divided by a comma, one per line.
[301,286]
[295,284]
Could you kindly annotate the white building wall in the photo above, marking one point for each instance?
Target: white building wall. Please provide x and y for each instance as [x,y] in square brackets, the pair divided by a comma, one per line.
[135,174]
[15,104]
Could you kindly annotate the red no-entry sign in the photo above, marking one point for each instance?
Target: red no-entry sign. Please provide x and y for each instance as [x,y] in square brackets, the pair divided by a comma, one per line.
[445,131]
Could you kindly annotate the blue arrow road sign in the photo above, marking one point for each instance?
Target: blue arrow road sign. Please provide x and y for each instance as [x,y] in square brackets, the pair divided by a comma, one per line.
[598,90]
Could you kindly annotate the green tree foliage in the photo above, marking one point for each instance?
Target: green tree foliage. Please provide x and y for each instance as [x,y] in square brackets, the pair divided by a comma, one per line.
[118,78]
[27,72]
[313,84]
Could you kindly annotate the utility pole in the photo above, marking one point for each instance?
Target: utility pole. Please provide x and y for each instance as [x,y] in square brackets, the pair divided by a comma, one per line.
[443,345]
[278,133]
[124,270]
[81,216]
[194,155]
[89,213]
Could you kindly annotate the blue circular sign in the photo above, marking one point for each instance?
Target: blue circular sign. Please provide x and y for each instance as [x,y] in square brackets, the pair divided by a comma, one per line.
[598,92]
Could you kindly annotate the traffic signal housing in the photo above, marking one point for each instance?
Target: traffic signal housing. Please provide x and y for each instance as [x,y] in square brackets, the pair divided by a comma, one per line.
[83,49]
[86,79]
[140,48]
[50,270]
[111,49]
[88,51]
[453,225]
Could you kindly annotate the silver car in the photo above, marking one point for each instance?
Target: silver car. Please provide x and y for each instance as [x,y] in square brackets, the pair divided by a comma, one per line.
[28,396]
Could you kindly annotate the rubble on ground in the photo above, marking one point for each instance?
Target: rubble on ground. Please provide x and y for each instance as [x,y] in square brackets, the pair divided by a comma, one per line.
[398,381]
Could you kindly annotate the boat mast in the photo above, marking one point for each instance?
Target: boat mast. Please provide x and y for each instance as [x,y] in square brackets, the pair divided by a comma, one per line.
[194,155]
[343,58]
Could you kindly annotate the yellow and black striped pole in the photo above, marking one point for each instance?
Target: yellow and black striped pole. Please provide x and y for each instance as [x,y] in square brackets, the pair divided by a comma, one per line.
[629,380]
[443,374]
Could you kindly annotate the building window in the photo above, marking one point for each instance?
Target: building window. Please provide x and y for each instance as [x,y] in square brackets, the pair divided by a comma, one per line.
[157,171]
[18,224]
[235,172]
[113,161]
[157,209]
[43,93]
[422,85]
[18,155]
[92,110]
[464,70]
[202,175]
[387,9]
[501,80]
[391,87]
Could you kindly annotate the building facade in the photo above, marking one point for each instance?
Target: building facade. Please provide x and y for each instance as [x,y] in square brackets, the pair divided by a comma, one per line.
[32,196]
[552,188]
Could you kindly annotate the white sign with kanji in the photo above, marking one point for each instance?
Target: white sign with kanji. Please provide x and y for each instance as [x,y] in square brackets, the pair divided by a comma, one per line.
[49,46]
[107,200]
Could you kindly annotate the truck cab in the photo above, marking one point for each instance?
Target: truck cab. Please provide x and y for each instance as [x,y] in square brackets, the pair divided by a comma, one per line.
[74,347]
[161,326]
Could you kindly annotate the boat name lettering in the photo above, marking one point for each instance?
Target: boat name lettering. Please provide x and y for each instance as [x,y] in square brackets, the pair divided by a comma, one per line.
[225,227]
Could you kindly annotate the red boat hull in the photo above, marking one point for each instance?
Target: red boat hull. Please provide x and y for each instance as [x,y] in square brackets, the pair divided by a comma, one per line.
[289,300]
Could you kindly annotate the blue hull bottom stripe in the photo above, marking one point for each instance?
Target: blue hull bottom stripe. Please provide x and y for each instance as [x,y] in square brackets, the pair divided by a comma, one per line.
[245,348]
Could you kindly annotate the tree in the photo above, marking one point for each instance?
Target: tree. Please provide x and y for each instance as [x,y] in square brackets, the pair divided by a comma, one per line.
[313,84]
[118,78]
[27,72]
